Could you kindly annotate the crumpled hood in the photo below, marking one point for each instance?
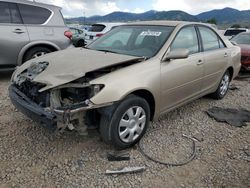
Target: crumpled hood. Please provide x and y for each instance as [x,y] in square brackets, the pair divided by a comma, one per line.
[71,64]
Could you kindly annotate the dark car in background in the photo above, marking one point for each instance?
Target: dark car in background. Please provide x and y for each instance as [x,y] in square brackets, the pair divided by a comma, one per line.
[78,37]
[243,40]
[29,30]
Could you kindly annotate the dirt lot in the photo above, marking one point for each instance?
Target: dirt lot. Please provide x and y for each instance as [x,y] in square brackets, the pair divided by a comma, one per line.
[31,156]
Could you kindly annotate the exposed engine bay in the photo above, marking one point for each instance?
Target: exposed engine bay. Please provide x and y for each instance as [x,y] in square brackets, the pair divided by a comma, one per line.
[70,103]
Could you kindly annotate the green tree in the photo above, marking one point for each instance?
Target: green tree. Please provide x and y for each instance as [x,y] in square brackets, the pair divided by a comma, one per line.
[236,26]
[212,21]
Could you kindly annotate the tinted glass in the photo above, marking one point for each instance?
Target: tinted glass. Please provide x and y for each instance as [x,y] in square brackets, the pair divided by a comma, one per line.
[233,32]
[140,41]
[4,13]
[186,38]
[15,15]
[243,38]
[33,14]
[97,28]
[210,40]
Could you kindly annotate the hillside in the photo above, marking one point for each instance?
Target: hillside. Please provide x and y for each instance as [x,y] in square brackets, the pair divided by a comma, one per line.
[224,16]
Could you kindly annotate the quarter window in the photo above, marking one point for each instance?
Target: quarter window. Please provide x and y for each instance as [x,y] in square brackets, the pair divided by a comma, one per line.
[210,39]
[187,39]
[4,13]
[34,15]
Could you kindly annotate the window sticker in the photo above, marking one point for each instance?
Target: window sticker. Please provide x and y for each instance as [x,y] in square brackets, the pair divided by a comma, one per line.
[151,33]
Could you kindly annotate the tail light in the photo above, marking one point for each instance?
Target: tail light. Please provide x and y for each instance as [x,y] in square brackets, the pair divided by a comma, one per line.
[99,35]
[68,34]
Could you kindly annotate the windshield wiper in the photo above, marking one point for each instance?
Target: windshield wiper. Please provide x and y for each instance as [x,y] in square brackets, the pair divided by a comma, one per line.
[108,51]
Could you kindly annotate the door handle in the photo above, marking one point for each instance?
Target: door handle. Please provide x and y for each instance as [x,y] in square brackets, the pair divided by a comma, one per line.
[18,31]
[200,62]
[225,55]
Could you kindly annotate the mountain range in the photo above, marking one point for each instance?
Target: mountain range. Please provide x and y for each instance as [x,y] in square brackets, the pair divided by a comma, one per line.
[222,16]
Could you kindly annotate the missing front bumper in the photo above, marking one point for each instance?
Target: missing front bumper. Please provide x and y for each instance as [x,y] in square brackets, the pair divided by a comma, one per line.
[61,116]
[31,109]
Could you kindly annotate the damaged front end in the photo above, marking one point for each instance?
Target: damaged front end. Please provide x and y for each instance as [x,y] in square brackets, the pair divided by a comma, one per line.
[65,106]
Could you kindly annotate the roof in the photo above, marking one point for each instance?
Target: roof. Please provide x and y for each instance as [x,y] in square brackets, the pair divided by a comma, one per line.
[164,23]
[31,3]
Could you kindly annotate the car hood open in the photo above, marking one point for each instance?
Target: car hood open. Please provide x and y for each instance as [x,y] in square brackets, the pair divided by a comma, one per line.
[68,65]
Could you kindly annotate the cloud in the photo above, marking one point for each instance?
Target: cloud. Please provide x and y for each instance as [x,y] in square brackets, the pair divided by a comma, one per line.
[138,10]
[74,8]
[198,6]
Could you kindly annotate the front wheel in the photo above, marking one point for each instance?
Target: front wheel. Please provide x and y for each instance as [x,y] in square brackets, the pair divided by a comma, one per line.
[222,89]
[127,124]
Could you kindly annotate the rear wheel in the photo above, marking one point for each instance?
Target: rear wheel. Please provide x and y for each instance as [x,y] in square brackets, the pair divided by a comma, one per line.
[36,52]
[127,124]
[222,89]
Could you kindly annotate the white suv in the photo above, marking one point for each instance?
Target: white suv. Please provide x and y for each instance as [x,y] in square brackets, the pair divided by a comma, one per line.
[99,29]
[231,32]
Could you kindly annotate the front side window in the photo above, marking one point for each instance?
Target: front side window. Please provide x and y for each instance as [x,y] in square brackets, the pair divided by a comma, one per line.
[210,39]
[34,15]
[187,39]
[134,40]
[4,13]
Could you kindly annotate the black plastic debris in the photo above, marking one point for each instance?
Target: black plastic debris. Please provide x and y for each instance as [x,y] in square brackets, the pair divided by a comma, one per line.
[234,87]
[234,117]
[118,156]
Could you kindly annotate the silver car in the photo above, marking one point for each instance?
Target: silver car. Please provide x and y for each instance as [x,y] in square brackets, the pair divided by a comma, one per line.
[28,30]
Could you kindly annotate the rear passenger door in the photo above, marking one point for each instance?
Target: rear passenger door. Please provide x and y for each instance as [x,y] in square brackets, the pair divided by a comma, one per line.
[215,57]
[13,34]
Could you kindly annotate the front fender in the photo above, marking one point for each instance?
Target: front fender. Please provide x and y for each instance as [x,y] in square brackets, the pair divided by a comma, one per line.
[121,83]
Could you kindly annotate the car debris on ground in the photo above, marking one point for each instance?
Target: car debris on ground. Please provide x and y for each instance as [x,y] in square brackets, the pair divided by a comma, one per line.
[126,170]
[234,117]
[118,156]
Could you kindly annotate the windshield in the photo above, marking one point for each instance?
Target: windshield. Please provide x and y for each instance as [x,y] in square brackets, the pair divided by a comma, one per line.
[141,41]
[232,32]
[242,38]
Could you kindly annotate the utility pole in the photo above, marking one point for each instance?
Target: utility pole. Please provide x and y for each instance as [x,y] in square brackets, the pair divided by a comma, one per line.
[83,17]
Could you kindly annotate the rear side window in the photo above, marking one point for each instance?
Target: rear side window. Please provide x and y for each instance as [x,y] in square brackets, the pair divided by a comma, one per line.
[187,39]
[4,13]
[15,15]
[34,15]
[210,39]
[97,28]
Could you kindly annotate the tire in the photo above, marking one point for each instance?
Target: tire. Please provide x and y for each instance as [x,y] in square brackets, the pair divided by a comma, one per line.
[223,87]
[36,52]
[80,43]
[124,127]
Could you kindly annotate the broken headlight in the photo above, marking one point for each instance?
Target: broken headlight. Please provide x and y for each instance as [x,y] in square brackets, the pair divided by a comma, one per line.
[71,95]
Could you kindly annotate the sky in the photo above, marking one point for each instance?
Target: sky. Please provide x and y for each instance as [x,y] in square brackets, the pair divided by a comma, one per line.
[77,8]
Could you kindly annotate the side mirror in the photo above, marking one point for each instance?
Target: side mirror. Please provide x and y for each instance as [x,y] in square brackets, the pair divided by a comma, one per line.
[177,54]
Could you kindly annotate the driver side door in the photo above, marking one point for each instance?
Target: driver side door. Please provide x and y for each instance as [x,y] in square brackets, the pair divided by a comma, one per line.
[181,79]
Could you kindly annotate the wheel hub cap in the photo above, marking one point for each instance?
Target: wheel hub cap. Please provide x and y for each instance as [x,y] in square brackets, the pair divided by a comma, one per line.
[132,124]
[224,85]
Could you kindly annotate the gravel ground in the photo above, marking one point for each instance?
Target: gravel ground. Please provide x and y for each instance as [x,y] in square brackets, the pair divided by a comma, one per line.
[32,156]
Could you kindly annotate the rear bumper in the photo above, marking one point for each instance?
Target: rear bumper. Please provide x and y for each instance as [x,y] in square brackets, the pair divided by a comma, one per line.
[31,109]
